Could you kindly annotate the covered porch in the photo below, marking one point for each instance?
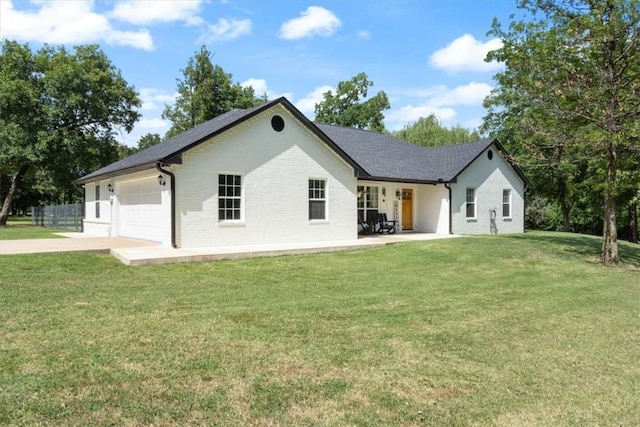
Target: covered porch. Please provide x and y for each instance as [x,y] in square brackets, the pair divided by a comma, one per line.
[414,207]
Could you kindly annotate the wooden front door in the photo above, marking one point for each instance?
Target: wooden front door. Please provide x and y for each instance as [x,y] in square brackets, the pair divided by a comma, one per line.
[407,209]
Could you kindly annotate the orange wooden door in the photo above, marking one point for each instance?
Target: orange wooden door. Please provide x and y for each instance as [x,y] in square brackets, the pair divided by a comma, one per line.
[407,209]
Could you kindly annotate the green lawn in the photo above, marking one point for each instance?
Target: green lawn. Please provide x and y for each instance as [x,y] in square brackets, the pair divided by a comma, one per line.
[21,228]
[479,331]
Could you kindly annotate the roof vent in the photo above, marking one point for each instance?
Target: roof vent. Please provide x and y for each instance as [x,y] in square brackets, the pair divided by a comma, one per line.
[277,123]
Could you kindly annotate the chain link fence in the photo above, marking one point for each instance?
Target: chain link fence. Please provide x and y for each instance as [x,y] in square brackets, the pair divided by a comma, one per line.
[62,217]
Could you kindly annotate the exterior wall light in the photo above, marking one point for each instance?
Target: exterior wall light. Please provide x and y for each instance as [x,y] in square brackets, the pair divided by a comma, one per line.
[161,180]
[110,188]
[398,194]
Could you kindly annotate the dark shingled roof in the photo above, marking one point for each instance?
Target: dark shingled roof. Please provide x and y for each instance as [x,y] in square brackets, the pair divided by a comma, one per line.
[171,147]
[373,155]
[384,157]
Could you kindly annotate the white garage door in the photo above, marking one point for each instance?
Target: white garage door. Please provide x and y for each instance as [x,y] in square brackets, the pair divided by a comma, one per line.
[141,213]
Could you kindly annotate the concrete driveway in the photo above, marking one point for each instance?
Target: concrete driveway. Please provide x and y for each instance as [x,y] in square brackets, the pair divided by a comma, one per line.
[75,244]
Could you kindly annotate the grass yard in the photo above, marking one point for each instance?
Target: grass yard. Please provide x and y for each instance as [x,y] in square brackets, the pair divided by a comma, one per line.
[481,331]
[19,228]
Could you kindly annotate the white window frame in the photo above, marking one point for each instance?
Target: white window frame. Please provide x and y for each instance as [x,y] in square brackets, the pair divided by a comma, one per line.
[317,195]
[368,200]
[97,196]
[474,204]
[506,203]
[233,197]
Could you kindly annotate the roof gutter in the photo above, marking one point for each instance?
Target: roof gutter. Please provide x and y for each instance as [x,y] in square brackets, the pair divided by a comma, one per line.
[406,180]
[173,202]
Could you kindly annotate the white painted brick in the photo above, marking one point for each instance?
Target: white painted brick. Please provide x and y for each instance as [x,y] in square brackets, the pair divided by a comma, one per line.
[489,178]
[275,168]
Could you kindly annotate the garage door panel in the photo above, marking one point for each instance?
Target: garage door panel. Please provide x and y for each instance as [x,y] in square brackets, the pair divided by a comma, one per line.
[141,210]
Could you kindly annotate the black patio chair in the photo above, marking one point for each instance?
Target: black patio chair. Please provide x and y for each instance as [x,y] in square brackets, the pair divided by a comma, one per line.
[386,224]
[365,228]
[369,225]
[372,219]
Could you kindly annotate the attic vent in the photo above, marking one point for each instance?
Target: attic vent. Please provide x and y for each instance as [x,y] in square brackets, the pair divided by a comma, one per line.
[277,123]
[490,154]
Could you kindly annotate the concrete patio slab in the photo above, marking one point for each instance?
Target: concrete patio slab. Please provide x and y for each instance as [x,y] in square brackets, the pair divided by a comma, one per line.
[79,243]
[139,252]
[135,256]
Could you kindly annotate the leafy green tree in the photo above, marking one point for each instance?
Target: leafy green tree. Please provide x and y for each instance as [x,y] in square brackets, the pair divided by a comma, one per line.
[631,197]
[542,146]
[205,92]
[148,140]
[571,75]
[349,106]
[430,132]
[59,113]
[123,151]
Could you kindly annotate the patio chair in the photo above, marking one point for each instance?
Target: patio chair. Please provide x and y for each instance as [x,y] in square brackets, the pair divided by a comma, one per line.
[372,219]
[368,225]
[386,224]
[365,228]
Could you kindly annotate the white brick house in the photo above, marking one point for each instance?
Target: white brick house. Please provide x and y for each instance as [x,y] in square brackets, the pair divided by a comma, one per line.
[268,175]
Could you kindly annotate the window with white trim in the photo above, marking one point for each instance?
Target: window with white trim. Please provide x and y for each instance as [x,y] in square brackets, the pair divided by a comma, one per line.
[97,201]
[229,197]
[317,199]
[506,203]
[367,202]
[471,203]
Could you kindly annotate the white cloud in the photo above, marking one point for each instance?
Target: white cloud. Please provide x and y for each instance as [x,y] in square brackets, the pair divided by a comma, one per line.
[307,105]
[140,40]
[260,88]
[315,20]
[410,113]
[145,12]
[472,93]
[66,22]
[258,85]
[226,30]
[465,54]
[153,98]
[153,125]
[442,102]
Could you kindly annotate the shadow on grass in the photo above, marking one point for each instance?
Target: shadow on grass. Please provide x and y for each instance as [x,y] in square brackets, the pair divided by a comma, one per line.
[582,246]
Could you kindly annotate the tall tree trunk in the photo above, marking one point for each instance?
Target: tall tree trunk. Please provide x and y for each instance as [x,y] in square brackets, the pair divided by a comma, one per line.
[8,200]
[610,230]
[633,222]
[565,209]
[562,188]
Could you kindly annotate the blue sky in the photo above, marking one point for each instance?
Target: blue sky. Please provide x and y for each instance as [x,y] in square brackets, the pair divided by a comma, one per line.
[427,55]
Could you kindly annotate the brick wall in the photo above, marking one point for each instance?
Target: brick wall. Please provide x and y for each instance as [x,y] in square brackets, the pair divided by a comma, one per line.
[275,169]
[489,177]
